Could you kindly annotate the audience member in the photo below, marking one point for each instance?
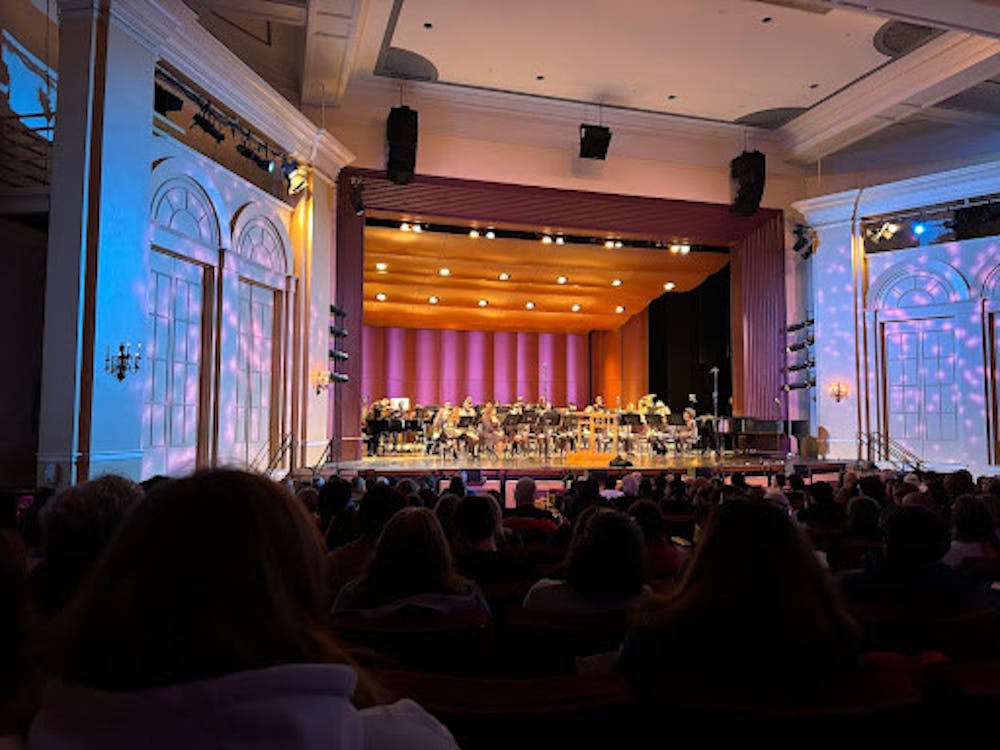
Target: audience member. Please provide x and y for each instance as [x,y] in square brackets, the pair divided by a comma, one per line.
[345,563]
[77,525]
[605,568]
[910,571]
[477,520]
[338,518]
[754,606]
[445,512]
[411,567]
[662,559]
[974,532]
[821,510]
[205,626]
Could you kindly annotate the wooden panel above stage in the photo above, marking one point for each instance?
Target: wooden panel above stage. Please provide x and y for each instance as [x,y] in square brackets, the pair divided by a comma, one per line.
[411,276]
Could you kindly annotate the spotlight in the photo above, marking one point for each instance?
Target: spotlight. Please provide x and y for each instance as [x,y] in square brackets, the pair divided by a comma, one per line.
[919,229]
[670,286]
[546,239]
[433,300]
[800,345]
[417,228]
[262,162]
[609,244]
[561,279]
[296,176]
[616,282]
[483,302]
[576,308]
[358,196]
[620,309]
[444,272]
[490,234]
[503,276]
[474,233]
[166,101]
[594,141]
[381,267]
[203,121]
[405,227]
[801,233]
[685,249]
[560,240]
[381,297]
[529,305]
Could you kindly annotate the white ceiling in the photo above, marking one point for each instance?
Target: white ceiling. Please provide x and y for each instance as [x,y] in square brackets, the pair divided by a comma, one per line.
[717,57]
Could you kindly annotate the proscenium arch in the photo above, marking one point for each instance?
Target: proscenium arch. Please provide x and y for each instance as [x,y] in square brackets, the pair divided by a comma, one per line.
[911,285]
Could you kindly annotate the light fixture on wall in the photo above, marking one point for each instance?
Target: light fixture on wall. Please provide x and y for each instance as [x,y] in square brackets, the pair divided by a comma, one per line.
[321,381]
[124,361]
[838,390]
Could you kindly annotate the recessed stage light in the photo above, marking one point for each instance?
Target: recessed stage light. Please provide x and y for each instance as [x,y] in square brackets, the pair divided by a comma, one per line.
[618,244]
[670,286]
[609,244]
[433,300]
[529,305]
[616,282]
[561,279]
[417,228]
[381,267]
[473,233]
[560,240]
[503,276]
[381,297]
[546,239]
[444,272]
[490,234]
[405,227]
[685,249]
[483,302]
[620,309]
[576,308]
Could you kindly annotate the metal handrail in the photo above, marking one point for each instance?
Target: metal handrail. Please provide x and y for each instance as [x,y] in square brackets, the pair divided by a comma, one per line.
[893,451]
[279,453]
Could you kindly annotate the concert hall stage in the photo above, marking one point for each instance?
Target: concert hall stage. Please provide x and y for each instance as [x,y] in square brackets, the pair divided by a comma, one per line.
[760,466]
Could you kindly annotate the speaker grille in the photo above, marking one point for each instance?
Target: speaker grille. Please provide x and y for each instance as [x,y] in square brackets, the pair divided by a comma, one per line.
[401,144]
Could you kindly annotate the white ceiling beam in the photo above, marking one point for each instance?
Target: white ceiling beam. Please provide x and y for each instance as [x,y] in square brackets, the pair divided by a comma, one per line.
[332,32]
[930,74]
[288,12]
[970,16]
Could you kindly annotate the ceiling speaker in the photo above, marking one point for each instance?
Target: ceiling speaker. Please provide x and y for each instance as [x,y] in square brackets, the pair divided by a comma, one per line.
[594,141]
[747,171]
[401,144]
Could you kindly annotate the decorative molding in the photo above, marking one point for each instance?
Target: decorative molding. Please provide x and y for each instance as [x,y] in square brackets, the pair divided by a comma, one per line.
[932,273]
[944,66]
[902,195]
[196,54]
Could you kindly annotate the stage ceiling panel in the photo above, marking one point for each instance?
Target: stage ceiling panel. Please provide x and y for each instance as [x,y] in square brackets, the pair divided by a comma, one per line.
[413,262]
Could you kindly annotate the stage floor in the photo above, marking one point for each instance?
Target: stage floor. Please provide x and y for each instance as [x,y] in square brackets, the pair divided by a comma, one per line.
[761,465]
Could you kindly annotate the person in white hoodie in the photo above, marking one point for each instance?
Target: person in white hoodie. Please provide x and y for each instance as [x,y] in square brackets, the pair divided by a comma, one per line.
[204,626]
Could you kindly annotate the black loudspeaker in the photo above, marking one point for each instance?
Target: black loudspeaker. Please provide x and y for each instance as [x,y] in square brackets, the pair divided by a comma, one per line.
[747,171]
[401,144]
[594,141]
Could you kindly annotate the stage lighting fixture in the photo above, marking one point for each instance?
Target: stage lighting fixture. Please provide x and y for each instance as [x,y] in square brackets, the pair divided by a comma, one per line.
[381,297]
[807,365]
[334,310]
[576,308]
[609,244]
[381,267]
[594,141]
[433,300]
[546,239]
[444,272]
[203,120]
[296,176]
[418,228]
[504,276]
[244,150]
[339,355]
[405,227]
[529,305]
[919,229]
[340,377]
[340,333]
[670,286]
[358,196]
[560,240]
[801,233]
[620,309]
[616,282]
[166,101]
[490,234]
[561,279]
[800,345]
[483,302]
[473,233]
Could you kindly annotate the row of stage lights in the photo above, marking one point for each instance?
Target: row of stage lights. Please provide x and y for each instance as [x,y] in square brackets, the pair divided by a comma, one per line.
[491,233]
[529,305]
[216,124]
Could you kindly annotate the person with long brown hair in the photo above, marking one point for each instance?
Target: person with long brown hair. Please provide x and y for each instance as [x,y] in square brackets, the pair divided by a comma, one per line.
[204,625]
[411,566]
[754,603]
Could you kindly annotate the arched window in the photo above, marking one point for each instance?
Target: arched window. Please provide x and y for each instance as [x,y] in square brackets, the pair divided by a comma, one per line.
[260,242]
[931,283]
[182,207]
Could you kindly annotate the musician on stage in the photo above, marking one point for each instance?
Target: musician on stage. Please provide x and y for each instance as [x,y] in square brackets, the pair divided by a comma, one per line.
[687,436]
[491,437]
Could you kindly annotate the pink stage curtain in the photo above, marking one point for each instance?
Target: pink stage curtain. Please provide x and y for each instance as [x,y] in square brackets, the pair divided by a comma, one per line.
[434,366]
[757,300]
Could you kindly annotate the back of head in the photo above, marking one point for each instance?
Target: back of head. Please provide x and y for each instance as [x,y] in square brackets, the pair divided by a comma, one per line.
[476,518]
[412,556]
[972,520]
[524,491]
[915,535]
[821,493]
[630,485]
[862,518]
[647,515]
[871,485]
[606,560]
[211,574]
[444,510]
[754,592]
[334,496]
[457,485]
[378,505]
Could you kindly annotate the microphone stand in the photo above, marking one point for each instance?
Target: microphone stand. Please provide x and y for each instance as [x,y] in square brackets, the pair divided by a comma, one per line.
[715,410]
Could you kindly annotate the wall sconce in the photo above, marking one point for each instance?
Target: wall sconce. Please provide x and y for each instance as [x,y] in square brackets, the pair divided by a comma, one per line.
[321,380]
[838,390]
[122,362]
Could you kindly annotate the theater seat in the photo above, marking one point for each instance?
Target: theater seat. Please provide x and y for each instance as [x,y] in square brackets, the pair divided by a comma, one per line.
[513,714]
[964,699]
[973,633]
[985,569]
[419,639]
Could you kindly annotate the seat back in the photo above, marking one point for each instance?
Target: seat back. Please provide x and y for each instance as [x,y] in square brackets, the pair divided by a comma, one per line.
[973,633]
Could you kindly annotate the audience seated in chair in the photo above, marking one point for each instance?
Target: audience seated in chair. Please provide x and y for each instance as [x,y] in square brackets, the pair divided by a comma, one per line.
[476,521]
[605,568]
[338,519]
[411,567]
[754,606]
[204,626]
[974,532]
[663,561]
[345,563]
[77,526]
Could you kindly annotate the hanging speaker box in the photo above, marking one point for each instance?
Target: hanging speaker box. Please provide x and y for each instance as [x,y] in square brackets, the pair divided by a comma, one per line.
[747,172]
[401,144]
